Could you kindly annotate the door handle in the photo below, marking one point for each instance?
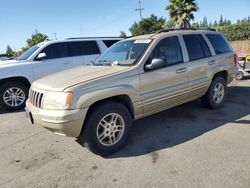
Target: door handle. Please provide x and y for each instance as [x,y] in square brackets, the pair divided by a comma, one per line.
[66,63]
[211,62]
[181,70]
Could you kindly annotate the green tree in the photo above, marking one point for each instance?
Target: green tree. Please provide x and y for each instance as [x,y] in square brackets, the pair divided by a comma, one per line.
[195,25]
[9,51]
[221,21]
[215,24]
[204,22]
[123,34]
[147,25]
[181,11]
[169,24]
[239,31]
[36,38]
[210,24]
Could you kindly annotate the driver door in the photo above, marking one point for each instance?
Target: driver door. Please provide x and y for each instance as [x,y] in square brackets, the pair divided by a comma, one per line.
[56,59]
[165,87]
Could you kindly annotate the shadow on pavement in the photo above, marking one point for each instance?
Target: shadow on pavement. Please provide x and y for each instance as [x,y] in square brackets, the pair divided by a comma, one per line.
[186,122]
[2,111]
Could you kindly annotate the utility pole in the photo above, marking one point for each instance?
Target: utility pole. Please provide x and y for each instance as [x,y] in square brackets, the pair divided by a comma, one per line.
[140,9]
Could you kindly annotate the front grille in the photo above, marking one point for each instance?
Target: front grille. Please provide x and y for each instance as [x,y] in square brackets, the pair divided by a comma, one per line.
[36,98]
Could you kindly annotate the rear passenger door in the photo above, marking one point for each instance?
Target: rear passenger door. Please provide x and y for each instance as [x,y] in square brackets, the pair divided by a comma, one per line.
[90,51]
[200,58]
[83,52]
[76,53]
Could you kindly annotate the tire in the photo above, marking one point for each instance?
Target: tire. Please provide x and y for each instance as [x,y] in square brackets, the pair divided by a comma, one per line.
[213,99]
[13,95]
[99,118]
[239,75]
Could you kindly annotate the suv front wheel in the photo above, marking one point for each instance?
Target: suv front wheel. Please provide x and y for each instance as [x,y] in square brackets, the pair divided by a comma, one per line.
[13,95]
[215,96]
[107,128]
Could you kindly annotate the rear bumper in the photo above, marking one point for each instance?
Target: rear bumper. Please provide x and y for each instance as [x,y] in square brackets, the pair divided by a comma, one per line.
[63,122]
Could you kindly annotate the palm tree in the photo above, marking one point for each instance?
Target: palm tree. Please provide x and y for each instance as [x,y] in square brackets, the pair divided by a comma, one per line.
[181,11]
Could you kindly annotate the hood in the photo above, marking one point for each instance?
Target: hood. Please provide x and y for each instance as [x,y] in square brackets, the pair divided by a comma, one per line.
[9,63]
[62,80]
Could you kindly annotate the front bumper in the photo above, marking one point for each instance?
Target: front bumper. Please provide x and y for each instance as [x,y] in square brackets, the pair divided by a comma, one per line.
[63,122]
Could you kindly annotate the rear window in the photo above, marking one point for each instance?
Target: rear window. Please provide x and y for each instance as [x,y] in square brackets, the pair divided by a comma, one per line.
[219,44]
[196,46]
[75,48]
[109,43]
[83,48]
[90,48]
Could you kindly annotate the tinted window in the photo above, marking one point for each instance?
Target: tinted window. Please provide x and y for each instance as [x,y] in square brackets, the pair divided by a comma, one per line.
[219,44]
[109,43]
[75,48]
[205,48]
[90,48]
[196,47]
[168,49]
[57,50]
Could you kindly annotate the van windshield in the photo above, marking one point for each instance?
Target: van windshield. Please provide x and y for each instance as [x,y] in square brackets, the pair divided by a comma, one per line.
[29,52]
[123,53]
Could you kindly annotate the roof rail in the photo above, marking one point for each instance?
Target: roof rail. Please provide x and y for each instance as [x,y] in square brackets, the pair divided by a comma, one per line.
[71,38]
[178,29]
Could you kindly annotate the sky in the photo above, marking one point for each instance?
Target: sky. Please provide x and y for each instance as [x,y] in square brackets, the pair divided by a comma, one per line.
[63,18]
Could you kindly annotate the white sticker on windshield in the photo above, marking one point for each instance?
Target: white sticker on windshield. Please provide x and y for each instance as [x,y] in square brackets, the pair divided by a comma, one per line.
[142,41]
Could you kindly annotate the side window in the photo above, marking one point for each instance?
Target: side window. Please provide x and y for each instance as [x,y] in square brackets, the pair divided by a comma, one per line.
[75,48]
[219,44]
[109,43]
[205,47]
[168,49]
[57,50]
[90,48]
[196,47]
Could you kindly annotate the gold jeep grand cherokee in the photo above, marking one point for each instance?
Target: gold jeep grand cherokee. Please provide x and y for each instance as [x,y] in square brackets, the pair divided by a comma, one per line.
[134,78]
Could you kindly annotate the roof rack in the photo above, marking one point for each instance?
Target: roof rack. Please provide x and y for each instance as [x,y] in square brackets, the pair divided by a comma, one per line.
[93,38]
[179,29]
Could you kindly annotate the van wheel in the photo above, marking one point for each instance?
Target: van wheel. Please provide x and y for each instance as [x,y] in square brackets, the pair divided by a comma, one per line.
[13,95]
[107,128]
[215,96]
[239,75]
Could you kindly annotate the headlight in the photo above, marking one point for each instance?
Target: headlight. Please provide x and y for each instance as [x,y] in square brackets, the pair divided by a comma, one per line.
[57,100]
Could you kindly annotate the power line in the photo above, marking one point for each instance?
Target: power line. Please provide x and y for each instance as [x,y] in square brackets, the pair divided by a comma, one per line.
[140,9]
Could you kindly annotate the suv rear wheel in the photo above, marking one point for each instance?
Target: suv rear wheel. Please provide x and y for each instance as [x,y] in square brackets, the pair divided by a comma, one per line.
[13,95]
[239,75]
[215,96]
[107,128]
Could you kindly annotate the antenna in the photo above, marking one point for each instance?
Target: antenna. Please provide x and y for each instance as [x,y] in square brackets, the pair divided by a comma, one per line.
[140,9]
[55,36]
[81,31]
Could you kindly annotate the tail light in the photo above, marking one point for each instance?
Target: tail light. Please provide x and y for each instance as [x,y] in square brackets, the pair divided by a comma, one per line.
[235,59]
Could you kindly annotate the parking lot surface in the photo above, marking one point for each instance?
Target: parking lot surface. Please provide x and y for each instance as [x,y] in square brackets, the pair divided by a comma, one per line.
[187,146]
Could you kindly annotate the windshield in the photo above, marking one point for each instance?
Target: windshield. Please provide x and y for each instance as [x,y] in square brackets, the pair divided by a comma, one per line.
[29,52]
[123,53]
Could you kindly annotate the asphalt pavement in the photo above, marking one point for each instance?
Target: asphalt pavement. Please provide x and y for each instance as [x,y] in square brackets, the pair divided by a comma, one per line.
[187,146]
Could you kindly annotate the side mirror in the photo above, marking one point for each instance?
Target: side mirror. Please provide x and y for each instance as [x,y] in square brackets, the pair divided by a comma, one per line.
[156,63]
[41,56]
